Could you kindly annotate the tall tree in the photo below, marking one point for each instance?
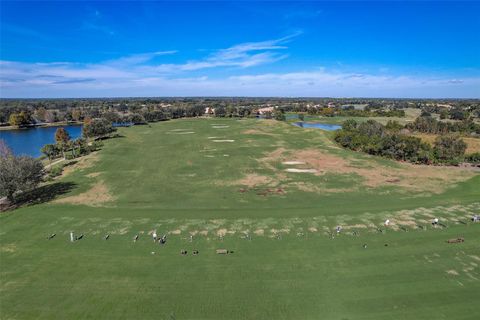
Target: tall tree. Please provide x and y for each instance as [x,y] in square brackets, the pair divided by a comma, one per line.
[62,139]
[50,150]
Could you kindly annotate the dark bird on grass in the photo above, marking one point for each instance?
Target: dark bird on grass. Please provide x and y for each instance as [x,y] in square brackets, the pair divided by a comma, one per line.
[52,236]
[80,237]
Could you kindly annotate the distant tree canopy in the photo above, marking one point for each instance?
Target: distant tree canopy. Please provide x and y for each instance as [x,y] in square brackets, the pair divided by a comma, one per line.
[93,128]
[20,119]
[387,141]
[18,174]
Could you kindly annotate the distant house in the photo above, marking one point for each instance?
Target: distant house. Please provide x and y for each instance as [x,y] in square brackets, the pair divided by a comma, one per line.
[209,110]
[4,203]
[265,110]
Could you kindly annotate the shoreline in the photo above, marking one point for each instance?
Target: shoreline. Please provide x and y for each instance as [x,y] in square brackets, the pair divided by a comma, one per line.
[41,125]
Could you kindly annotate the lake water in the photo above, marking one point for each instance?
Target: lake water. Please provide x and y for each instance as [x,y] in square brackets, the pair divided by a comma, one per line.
[30,141]
[316,125]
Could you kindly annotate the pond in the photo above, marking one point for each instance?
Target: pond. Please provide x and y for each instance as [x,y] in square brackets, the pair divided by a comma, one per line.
[317,125]
[30,141]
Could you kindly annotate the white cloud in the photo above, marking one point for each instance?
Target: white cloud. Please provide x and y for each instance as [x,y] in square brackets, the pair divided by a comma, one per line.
[137,75]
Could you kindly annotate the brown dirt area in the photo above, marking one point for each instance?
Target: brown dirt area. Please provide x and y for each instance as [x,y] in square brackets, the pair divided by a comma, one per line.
[258,131]
[94,174]
[81,163]
[408,176]
[96,196]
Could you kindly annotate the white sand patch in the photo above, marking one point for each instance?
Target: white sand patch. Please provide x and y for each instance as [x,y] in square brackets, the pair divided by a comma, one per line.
[182,132]
[259,232]
[452,272]
[301,170]
[209,156]
[226,155]
[293,162]
[213,137]
[227,140]
[220,127]
[312,229]
[176,231]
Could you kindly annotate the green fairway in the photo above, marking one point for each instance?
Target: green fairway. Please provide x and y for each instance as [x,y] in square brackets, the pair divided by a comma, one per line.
[272,193]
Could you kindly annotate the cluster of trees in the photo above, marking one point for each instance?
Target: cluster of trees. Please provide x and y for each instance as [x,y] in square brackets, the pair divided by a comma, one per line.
[97,128]
[23,118]
[68,148]
[17,173]
[350,111]
[428,124]
[388,141]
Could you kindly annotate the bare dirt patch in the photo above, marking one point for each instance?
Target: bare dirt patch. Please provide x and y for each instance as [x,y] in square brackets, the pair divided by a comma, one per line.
[259,232]
[221,232]
[80,163]
[258,132]
[413,177]
[253,180]
[94,174]
[94,197]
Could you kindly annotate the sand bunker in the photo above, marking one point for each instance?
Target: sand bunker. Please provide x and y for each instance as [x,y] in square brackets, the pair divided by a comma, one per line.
[293,162]
[301,170]
[181,132]
[223,140]
[220,127]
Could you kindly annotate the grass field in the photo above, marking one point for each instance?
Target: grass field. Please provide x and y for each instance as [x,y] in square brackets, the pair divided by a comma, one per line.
[218,180]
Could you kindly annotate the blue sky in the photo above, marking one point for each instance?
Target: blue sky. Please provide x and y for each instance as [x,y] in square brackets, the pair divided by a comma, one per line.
[335,49]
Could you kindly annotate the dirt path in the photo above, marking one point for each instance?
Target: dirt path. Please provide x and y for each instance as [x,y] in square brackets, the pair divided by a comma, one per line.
[53,163]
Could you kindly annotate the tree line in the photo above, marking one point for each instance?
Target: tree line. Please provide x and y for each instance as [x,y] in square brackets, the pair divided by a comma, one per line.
[389,141]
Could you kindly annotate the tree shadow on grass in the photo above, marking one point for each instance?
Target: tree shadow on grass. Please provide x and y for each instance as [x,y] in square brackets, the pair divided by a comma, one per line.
[44,193]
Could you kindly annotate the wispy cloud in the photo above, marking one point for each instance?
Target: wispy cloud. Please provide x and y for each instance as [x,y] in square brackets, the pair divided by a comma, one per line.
[242,55]
[141,75]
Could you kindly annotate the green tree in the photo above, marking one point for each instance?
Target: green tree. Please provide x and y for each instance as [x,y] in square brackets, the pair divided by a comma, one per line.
[49,150]
[93,128]
[279,115]
[449,148]
[19,174]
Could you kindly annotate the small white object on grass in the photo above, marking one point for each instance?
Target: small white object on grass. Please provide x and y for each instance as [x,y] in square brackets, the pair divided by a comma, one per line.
[387,222]
[71,237]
